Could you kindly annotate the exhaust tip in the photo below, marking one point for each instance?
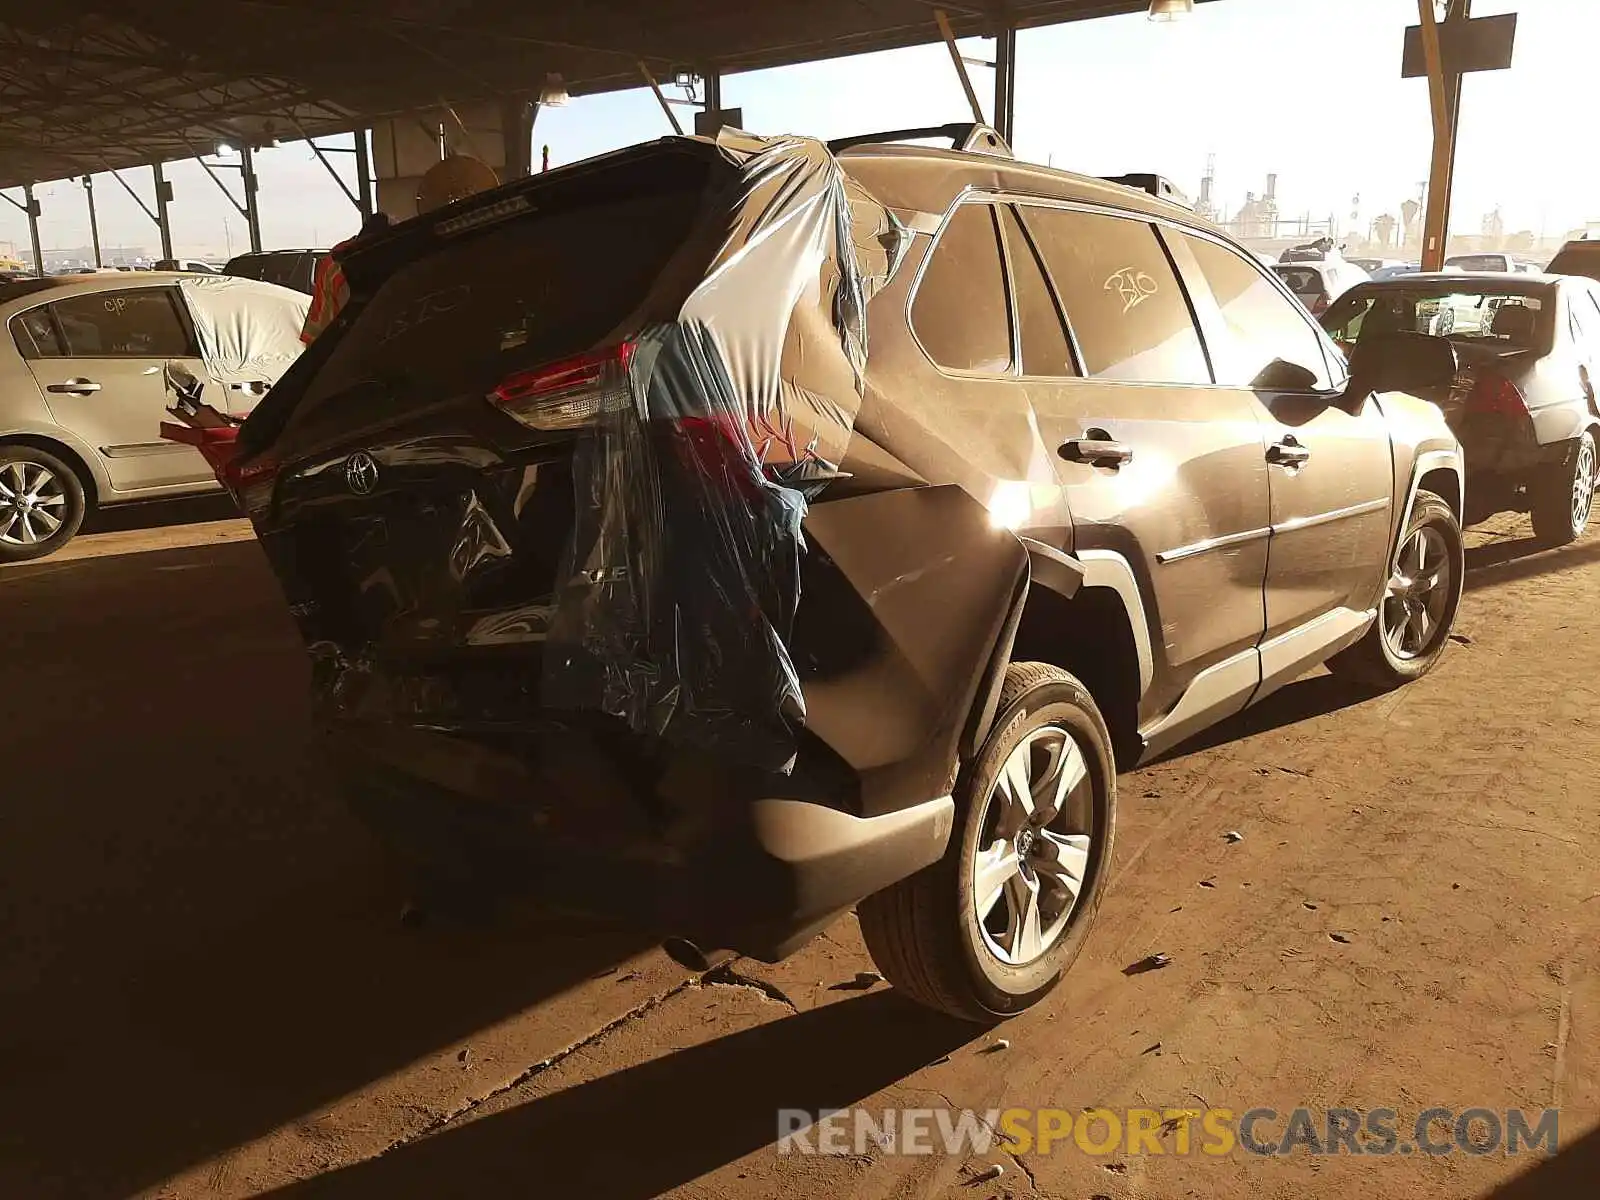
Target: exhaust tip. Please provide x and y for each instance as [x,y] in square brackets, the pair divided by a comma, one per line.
[690,957]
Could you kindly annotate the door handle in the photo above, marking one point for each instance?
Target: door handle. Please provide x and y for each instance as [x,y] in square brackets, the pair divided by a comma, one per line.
[1288,453]
[1097,448]
[75,387]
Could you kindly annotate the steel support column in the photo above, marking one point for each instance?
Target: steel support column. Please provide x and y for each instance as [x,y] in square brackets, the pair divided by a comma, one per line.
[1005,83]
[163,198]
[33,229]
[1444,93]
[516,127]
[94,221]
[252,213]
[363,173]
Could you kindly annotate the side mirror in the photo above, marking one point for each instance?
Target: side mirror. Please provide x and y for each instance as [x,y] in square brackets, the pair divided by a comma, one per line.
[1416,363]
[1281,375]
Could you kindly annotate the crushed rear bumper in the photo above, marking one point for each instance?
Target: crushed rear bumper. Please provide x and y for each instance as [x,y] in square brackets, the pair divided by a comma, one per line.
[555,820]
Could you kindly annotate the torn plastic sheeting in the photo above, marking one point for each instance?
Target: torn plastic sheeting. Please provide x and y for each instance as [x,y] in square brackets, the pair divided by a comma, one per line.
[248,332]
[681,583]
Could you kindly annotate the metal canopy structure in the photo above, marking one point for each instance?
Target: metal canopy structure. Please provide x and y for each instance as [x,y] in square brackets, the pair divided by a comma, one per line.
[87,85]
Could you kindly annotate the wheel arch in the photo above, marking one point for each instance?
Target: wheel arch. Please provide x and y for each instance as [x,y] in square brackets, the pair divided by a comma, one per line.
[1091,634]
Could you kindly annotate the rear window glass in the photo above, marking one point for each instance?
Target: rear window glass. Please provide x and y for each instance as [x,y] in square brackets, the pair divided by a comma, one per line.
[530,290]
[1577,260]
[1514,321]
[1477,262]
[1300,281]
[295,270]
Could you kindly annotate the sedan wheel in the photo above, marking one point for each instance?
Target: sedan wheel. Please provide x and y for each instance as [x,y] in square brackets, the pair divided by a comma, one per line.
[41,503]
[33,504]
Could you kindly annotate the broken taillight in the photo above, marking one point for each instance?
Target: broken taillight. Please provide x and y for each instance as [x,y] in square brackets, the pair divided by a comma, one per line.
[571,393]
[1497,394]
[251,481]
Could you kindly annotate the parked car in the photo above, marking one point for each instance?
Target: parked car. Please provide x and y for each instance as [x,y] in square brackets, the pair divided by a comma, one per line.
[537,506]
[1491,261]
[82,392]
[1524,403]
[1578,257]
[295,269]
[1395,270]
[1319,284]
[193,266]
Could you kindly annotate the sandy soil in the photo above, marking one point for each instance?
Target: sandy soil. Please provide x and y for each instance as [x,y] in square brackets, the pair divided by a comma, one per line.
[205,992]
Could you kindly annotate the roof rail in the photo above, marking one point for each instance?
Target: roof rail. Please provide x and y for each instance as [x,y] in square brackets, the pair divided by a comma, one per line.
[1157,185]
[970,136]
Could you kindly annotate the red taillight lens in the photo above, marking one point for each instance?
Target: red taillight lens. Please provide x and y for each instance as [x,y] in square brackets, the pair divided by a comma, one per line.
[251,481]
[1496,394]
[571,393]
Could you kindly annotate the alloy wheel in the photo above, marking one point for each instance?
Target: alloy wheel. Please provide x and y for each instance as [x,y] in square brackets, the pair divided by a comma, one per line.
[1032,856]
[1583,485]
[33,503]
[1418,593]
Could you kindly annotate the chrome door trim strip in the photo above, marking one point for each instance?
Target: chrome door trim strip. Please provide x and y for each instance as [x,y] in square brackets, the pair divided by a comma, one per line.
[1337,514]
[1215,543]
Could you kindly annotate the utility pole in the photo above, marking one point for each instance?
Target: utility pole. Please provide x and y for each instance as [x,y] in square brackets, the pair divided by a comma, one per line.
[163,220]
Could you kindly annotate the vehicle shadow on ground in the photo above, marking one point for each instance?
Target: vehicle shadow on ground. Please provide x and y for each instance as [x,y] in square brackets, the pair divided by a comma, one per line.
[644,1130]
[1315,696]
[1523,558]
[158,514]
[200,945]
[1573,1174]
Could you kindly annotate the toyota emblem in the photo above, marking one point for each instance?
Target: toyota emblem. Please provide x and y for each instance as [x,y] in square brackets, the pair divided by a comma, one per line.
[361,473]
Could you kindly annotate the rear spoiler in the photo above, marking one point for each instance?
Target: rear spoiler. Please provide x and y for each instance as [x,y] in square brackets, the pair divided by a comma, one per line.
[1158,186]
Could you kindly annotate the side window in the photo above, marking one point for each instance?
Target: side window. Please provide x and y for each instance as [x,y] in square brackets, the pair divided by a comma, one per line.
[133,323]
[1263,325]
[960,312]
[1045,350]
[35,334]
[1131,318]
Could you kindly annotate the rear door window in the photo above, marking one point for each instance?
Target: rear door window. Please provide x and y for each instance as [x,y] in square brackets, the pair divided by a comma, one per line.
[960,313]
[1124,304]
[129,323]
[1045,349]
[1263,325]
[35,334]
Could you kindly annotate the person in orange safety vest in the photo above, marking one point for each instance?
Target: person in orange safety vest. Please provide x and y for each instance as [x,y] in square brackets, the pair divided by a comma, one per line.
[454,178]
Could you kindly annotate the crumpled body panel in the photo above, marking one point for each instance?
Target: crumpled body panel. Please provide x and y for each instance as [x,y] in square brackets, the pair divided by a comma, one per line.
[679,596]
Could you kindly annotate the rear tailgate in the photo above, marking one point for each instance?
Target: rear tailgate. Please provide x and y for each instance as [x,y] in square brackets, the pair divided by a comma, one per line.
[418,528]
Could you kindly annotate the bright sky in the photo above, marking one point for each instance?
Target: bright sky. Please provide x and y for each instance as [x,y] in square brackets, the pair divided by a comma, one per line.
[1310,89]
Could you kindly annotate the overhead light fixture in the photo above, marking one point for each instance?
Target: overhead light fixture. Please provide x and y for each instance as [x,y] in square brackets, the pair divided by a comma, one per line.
[225,149]
[1171,10]
[555,94]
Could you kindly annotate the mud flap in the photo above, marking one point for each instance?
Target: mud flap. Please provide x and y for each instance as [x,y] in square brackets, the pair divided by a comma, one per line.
[904,600]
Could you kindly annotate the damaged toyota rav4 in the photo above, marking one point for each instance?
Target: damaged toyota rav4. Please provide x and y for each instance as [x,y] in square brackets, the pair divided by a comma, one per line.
[721,534]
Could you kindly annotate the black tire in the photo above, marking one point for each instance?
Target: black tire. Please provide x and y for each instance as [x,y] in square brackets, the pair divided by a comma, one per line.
[1563,501]
[1375,661]
[57,495]
[924,932]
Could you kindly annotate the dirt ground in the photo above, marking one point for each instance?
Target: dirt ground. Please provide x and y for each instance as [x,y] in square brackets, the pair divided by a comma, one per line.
[205,990]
